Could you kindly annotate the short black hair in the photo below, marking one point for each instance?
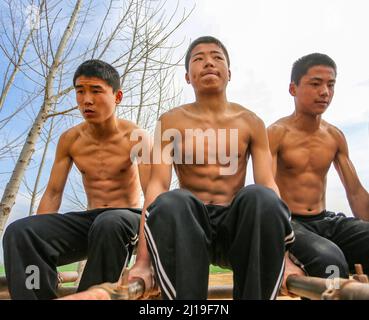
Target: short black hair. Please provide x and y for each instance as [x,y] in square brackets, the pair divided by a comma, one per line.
[99,69]
[302,65]
[205,39]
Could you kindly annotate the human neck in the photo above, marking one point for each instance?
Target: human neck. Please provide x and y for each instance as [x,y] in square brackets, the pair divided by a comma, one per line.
[212,102]
[100,131]
[307,122]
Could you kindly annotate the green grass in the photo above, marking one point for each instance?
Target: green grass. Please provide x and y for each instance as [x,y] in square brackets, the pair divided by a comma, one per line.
[69,267]
[216,269]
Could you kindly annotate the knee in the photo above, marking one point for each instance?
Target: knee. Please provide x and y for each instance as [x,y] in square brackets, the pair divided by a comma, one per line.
[171,201]
[253,193]
[265,202]
[331,261]
[15,232]
[107,224]
[171,208]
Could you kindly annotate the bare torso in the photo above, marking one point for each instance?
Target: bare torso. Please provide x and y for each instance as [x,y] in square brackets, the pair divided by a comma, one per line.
[303,161]
[206,180]
[109,177]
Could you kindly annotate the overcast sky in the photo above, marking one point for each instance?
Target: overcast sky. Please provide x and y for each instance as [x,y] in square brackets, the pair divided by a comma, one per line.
[264,38]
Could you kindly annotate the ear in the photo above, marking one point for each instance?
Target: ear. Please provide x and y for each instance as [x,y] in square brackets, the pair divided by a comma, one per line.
[229,75]
[292,89]
[187,77]
[118,96]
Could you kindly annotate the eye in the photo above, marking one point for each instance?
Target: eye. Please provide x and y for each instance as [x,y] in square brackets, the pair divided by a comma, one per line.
[219,57]
[197,59]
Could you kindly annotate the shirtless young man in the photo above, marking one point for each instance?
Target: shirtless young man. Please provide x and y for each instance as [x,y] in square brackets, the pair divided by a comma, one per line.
[213,218]
[303,147]
[100,147]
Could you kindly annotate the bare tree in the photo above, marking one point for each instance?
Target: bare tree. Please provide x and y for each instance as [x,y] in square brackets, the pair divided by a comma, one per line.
[12,187]
[135,36]
[35,192]
[18,46]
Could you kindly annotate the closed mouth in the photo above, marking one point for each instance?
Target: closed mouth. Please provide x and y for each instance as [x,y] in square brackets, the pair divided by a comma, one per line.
[214,73]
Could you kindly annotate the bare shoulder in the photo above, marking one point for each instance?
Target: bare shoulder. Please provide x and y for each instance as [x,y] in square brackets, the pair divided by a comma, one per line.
[126,126]
[335,132]
[279,128]
[243,112]
[177,111]
[173,115]
[277,131]
[68,137]
[133,133]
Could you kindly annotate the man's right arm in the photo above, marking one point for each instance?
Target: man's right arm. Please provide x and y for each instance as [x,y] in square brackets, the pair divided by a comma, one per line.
[275,133]
[51,199]
[161,175]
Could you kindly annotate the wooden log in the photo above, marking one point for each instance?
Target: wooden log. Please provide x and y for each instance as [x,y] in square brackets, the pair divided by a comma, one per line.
[63,277]
[67,276]
[112,291]
[327,289]
[61,292]
[220,292]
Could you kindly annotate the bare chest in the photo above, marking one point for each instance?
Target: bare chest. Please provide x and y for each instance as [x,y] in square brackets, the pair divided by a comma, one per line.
[102,161]
[313,153]
[209,143]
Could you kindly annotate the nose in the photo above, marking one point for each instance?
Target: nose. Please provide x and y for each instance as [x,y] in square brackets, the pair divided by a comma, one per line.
[324,91]
[87,99]
[209,62]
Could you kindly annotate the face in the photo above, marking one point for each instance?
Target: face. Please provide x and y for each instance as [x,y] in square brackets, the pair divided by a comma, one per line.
[96,99]
[315,90]
[208,69]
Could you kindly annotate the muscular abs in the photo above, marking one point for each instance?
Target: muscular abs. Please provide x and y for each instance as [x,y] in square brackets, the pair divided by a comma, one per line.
[303,163]
[206,180]
[109,177]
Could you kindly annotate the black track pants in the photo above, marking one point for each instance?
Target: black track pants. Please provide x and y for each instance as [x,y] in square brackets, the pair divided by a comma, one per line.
[36,245]
[250,236]
[330,244]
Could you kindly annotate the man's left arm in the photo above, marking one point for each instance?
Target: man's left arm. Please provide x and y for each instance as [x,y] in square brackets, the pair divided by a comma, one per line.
[261,157]
[357,196]
[141,152]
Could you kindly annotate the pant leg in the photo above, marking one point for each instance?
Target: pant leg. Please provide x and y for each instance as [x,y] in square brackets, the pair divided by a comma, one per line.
[110,244]
[258,231]
[42,242]
[352,236]
[316,254]
[178,234]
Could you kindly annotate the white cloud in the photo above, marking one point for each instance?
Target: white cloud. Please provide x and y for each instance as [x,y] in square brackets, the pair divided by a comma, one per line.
[265,37]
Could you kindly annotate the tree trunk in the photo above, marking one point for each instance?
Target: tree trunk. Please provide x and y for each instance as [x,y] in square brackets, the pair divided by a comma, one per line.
[11,190]
[40,168]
